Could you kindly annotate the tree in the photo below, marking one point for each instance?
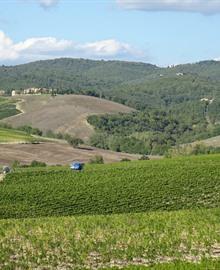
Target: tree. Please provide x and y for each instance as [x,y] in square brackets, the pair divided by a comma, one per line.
[75,142]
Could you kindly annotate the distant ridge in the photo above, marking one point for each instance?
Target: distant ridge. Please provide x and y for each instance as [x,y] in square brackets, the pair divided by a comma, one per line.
[89,75]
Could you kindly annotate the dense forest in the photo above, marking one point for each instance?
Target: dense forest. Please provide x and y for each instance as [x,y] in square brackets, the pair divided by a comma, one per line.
[145,132]
[174,105]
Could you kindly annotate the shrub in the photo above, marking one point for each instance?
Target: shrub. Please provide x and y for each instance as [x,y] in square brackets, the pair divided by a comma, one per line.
[75,142]
[31,130]
[125,159]
[15,164]
[97,160]
[36,163]
[144,157]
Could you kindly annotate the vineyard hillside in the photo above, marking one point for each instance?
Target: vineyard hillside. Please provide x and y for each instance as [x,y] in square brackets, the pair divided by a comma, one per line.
[169,184]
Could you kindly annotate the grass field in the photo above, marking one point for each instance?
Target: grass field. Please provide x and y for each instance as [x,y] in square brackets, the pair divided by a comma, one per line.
[65,114]
[14,136]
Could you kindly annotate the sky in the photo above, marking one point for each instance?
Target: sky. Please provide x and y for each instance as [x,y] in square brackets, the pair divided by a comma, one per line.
[161,32]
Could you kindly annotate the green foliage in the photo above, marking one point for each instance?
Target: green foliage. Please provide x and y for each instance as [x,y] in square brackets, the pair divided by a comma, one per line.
[97,160]
[73,141]
[144,132]
[30,130]
[125,187]
[36,163]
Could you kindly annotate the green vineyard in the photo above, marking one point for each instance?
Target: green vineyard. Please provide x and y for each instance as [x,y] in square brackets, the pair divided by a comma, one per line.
[185,183]
[176,240]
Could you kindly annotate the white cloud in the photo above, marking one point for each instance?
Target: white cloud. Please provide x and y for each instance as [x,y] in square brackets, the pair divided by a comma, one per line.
[49,47]
[6,48]
[199,6]
[48,3]
[42,44]
[108,47]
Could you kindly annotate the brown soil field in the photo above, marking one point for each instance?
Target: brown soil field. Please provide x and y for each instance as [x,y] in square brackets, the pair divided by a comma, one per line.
[63,113]
[55,153]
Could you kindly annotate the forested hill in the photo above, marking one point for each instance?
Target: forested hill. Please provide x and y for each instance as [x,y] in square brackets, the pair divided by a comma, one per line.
[73,75]
[210,69]
[90,77]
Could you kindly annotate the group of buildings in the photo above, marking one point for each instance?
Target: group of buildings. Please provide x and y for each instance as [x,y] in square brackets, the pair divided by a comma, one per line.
[32,91]
[28,91]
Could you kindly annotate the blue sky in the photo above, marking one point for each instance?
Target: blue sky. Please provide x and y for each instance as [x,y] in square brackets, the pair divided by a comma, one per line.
[162,32]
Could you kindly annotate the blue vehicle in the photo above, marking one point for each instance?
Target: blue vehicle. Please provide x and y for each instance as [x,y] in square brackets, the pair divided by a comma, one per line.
[77,166]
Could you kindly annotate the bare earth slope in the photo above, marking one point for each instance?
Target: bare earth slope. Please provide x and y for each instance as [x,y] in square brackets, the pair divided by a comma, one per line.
[56,153]
[65,114]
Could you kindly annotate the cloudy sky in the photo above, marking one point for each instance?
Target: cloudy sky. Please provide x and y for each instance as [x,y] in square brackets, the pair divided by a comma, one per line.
[162,32]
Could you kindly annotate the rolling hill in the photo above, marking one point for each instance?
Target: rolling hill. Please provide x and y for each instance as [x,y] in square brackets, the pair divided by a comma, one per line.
[64,114]
[177,91]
